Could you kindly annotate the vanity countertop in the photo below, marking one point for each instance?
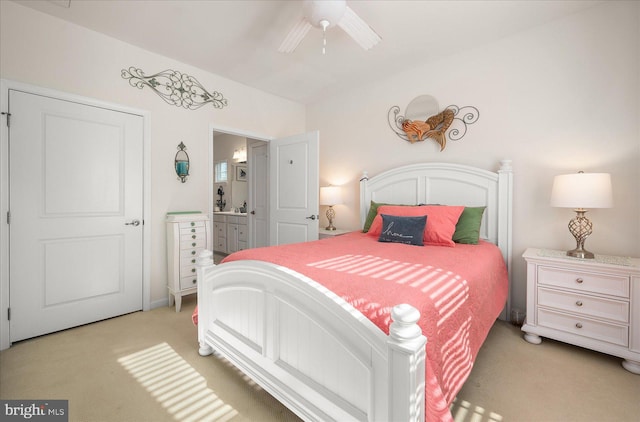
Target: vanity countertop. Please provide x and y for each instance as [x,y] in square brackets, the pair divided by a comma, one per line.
[230,213]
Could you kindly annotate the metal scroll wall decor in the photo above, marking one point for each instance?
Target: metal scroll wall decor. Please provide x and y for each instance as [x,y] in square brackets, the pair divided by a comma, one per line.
[175,88]
[422,120]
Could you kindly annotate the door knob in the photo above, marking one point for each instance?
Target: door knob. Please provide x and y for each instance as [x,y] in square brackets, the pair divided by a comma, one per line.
[253,212]
[134,223]
[312,217]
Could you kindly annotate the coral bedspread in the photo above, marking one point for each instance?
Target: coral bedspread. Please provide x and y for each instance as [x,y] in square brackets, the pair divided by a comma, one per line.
[459,291]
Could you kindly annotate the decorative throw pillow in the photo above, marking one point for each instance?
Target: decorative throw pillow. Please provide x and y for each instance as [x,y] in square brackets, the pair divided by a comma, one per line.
[440,226]
[409,230]
[468,227]
[373,211]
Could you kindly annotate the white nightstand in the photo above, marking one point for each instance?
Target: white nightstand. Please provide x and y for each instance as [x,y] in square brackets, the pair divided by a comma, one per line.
[593,303]
[324,234]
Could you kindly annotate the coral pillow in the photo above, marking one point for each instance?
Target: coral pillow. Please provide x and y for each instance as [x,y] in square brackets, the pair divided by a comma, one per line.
[441,221]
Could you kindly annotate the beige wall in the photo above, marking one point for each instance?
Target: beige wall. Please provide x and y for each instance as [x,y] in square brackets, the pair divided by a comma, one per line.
[555,99]
[41,50]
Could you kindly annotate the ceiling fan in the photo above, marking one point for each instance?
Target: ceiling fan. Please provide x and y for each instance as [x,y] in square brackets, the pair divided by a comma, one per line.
[326,14]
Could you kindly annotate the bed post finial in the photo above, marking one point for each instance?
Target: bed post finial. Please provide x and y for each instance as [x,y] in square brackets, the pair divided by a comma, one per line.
[505,165]
[404,326]
[205,258]
[407,354]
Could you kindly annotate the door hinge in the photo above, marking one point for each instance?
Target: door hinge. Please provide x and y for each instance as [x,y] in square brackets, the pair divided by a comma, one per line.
[9,314]
[8,117]
[8,217]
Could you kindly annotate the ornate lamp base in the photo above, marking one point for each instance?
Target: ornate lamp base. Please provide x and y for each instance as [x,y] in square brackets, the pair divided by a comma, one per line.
[580,227]
[331,214]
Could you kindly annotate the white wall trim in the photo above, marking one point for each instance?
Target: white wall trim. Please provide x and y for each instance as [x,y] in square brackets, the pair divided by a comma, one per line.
[5,86]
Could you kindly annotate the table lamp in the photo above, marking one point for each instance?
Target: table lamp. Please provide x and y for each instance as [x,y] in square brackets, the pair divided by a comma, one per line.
[330,195]
[581,191]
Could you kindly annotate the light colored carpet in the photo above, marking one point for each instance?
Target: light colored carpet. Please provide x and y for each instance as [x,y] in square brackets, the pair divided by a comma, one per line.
[145,367]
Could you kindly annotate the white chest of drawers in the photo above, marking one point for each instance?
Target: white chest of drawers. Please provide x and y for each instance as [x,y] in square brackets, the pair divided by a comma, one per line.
[187,236]
[590,303]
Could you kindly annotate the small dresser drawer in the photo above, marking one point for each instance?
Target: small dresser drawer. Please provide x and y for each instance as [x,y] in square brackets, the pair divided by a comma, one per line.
[584,281]
[192,236]
[188,282]
[188,260]
[193,244]
[597,307]
[191,224]
[598,330]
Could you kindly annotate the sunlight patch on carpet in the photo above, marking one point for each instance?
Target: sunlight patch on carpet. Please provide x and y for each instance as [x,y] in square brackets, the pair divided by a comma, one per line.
[463,411]
[176,385]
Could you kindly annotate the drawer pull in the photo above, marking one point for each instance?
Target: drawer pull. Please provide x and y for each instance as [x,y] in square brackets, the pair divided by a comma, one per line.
[193,224]
[195,280]
[193,261]
[579,280]
[193,270]
[579,303]
[193,252]
[193,230]
[193,237]
[578,325]
[193,244]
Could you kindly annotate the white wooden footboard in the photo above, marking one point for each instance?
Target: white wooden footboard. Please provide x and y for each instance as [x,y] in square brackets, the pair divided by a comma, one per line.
[309,348]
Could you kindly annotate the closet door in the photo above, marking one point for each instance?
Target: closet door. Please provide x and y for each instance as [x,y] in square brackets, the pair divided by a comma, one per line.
[76,203]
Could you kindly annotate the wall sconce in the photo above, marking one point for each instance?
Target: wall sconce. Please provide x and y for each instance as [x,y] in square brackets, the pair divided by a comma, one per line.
[330,195]
[181,163]
[580,191]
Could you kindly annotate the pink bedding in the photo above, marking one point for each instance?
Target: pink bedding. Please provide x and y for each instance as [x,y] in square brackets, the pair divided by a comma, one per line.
[459,292]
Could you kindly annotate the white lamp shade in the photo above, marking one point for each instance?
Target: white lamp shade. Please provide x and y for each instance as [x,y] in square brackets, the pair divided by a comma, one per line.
[330,195]
[582,190]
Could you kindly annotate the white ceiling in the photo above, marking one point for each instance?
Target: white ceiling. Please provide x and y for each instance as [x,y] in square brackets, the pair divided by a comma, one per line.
[239,39]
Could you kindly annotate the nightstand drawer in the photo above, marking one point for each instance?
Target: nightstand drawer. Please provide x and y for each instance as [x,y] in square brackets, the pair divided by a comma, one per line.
[612,333]
[590,306]
[584,281]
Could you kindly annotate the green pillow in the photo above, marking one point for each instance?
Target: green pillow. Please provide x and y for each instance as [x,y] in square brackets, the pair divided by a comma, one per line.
[373,211]
[468,226]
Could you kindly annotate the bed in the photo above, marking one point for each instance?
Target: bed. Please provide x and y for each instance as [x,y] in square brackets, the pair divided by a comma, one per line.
[299,322]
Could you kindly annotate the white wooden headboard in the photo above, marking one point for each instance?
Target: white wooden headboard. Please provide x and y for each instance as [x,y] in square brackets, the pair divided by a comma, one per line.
[450,184]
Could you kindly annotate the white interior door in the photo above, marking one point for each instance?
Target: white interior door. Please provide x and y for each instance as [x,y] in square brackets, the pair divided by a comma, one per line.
[294,188]
[258,194]
[76,203]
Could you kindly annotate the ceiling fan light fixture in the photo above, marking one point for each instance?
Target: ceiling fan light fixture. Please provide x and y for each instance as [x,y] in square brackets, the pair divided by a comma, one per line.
[326,14]
[319,11]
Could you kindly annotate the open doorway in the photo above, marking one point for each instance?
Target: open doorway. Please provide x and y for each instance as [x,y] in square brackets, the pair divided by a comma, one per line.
[238,191]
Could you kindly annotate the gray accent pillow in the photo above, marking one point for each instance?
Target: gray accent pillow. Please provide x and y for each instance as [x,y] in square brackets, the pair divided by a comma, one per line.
[409,230]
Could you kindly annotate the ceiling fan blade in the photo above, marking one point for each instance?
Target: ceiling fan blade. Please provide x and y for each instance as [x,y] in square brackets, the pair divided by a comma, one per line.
[358,29]
[294,36]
